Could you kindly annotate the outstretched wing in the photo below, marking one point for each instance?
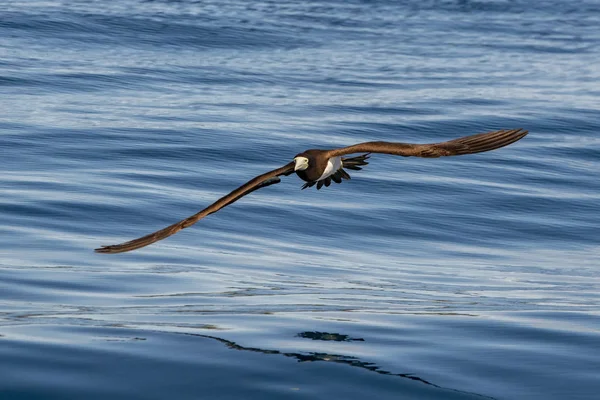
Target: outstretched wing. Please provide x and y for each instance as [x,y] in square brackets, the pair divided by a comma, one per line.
[260,181]
[464,145]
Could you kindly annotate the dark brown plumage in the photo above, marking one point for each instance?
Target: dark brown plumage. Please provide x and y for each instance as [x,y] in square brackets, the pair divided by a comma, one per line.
[318,160]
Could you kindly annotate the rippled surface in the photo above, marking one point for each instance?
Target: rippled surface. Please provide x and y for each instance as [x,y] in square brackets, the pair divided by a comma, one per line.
[467,277]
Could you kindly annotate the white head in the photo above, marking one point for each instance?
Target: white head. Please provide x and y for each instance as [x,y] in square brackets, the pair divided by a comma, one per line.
[301,163]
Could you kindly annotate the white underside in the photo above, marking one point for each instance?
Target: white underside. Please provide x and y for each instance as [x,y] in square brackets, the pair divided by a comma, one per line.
[333,164]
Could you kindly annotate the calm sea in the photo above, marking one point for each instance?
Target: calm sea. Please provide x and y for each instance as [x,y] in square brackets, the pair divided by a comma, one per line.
[474,277]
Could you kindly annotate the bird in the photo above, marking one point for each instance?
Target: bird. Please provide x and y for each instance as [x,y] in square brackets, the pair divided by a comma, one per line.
[321,167]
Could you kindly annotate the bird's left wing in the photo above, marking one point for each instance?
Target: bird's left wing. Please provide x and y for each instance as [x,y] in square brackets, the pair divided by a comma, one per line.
[463,145]
[260,181]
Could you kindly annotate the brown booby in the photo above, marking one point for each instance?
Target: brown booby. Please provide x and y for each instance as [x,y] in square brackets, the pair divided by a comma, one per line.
[320,167]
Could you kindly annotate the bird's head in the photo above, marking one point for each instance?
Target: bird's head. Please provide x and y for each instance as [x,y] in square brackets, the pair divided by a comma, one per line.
[301,163]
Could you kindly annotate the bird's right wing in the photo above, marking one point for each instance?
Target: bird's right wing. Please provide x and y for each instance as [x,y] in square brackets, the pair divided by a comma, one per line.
[464,145]
[260,181]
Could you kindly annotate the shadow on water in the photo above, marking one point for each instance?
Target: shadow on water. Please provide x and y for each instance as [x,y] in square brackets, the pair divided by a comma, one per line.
[326,336]
[327,357]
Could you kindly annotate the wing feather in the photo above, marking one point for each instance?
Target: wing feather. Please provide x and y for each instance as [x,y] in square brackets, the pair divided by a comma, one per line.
[260,181]
[464,145]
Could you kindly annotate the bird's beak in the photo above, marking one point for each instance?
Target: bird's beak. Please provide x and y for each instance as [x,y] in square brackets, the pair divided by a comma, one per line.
[301,163]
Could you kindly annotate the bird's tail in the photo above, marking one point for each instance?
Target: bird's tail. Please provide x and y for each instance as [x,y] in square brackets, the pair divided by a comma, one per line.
[355,163]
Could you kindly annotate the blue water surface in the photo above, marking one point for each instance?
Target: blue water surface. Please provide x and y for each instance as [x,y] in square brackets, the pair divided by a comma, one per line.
[474,277]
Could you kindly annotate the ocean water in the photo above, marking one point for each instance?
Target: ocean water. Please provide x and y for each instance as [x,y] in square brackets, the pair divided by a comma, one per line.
[474,277]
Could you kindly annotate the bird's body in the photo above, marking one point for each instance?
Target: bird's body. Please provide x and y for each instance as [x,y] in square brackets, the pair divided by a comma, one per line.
[321,167]
[317,165]
[333,164]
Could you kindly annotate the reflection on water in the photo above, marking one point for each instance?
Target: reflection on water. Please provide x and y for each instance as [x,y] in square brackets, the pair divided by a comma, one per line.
[328,336]
[332,358]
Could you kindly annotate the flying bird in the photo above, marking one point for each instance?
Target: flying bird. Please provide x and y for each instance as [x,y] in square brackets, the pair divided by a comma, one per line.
[321,167]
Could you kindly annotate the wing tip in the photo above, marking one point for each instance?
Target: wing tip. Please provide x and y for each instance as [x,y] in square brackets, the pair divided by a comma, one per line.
[517,131]
[490,140]
[517,134]
[107,250]
[122,247]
